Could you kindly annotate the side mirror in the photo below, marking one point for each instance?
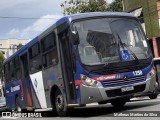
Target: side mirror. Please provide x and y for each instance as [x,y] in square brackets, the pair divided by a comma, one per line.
[74,37]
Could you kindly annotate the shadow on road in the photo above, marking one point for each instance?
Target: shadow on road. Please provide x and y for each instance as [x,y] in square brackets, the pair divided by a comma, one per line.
[102,110]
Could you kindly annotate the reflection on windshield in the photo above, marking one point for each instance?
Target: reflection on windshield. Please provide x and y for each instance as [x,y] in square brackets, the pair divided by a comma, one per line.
[99,43]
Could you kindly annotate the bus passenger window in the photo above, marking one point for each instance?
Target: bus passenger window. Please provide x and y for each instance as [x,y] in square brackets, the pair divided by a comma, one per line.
[12,71]
[17,68]
[34,55]
[49,49]
[7,72]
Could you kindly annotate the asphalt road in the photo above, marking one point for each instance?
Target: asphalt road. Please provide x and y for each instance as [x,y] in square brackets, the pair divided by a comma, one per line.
[137,107]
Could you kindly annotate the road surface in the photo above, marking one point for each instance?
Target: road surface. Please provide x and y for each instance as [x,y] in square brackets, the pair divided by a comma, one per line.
[137,107]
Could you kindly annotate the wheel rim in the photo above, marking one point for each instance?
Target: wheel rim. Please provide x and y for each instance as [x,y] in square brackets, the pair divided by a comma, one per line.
[59,103]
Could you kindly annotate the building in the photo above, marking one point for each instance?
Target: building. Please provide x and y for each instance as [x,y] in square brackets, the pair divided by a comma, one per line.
[148,12]
[10,46]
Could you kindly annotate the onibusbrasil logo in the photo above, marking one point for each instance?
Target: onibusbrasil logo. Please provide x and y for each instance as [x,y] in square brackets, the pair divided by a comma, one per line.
[30,115]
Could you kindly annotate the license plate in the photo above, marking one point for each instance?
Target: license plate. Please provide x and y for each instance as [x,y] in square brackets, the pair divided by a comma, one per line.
[125,89]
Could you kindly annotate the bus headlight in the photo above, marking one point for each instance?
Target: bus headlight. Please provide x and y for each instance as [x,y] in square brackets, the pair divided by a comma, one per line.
[88,81]
[151,73]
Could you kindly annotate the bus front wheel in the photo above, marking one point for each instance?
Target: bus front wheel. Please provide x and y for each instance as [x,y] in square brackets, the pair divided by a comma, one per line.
[119,102]
[103,102]
[153,96]
[60,105]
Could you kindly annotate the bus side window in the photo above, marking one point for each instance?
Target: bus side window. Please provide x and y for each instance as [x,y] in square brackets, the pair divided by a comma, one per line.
[12,71]
[7,72]
[17,68]
[34,56]
[49,51]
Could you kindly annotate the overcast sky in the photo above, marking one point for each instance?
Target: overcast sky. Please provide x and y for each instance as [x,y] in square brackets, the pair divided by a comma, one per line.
[28,28]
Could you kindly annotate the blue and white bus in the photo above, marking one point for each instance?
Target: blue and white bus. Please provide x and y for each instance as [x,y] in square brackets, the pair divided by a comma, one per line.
[83,58]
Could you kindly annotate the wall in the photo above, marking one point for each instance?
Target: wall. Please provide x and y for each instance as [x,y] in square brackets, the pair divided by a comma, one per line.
[9,46]
[150,15]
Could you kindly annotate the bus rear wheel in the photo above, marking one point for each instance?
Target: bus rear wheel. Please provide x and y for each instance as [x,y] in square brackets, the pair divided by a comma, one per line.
[60,105]
[119,102]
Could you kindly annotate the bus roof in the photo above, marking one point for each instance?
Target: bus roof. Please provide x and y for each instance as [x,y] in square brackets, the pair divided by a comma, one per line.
[98,14]
[69,18]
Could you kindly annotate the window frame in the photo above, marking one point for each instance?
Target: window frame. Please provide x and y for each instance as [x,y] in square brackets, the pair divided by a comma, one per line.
[37,56]
[49,50]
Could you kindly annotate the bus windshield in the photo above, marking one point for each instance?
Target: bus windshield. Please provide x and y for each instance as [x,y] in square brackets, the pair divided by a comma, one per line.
[100,39]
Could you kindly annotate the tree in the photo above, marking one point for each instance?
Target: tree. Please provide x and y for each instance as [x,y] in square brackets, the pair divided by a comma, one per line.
[1,65]
[116,5]
[82,6]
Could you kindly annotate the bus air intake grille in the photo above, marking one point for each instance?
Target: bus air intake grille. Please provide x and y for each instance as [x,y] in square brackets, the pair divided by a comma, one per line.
[117,92]
[121,82]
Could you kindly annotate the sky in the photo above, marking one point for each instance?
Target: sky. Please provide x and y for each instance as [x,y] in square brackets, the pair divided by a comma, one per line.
[28,28]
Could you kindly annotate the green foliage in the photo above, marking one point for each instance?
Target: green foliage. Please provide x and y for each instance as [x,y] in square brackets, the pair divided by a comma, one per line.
[1,64]
[82,6]
[116,5]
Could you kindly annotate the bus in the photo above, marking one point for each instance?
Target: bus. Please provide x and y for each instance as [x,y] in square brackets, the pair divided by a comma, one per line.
[83,58]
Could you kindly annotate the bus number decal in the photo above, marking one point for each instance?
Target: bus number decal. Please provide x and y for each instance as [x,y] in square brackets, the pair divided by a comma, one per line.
[137,73]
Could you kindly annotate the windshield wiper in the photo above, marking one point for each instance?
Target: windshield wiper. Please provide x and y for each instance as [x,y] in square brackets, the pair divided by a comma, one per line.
[124,45]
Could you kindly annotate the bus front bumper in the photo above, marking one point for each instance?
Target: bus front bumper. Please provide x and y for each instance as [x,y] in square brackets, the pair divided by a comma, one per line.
[97,94]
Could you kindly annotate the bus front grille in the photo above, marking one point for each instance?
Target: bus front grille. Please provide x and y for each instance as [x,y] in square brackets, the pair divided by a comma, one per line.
[121,82]
[117,92]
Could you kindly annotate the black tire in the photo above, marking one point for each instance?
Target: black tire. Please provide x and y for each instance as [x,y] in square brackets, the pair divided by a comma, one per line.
[153,96]
[60,105]
[119,102]
[83,105]
[103,102]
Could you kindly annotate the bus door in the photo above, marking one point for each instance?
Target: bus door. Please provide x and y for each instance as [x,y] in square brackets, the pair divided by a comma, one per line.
[25,80]
[67,66]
